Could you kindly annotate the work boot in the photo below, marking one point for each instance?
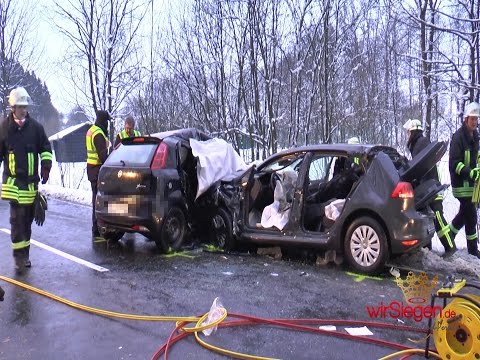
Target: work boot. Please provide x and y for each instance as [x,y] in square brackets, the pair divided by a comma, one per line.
[19,263]
[449,252]
[473,248]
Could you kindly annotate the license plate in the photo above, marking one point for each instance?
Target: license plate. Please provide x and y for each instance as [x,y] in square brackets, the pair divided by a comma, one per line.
[118,209]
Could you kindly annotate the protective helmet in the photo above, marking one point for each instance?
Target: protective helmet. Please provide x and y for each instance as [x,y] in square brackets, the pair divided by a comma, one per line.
[413,124]
[353,140]
[19,96]
[472,109]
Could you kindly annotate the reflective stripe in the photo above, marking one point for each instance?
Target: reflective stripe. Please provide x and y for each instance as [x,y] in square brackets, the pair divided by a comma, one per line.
[92,156]
[31,162]
[123,134]
[20,245]
[46,155]
[454,229]
[467,157]
[11,163]
[11,192]
[444,229]
[462,192]
[459,168]
[473,237]
[356,160]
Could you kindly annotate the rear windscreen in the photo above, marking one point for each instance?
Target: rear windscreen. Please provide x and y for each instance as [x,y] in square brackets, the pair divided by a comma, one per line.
[132,155]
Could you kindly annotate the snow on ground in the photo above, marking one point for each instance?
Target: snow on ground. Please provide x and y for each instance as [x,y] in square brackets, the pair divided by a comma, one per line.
[78,191]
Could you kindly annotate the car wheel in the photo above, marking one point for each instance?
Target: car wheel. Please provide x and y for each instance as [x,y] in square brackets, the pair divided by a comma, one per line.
[221,230]
[366,247]
[173,231]
[113,235]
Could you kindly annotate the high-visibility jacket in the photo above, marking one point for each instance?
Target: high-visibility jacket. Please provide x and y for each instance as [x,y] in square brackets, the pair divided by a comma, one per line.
[123,134]
[92,154]
[20,150]
[463,157]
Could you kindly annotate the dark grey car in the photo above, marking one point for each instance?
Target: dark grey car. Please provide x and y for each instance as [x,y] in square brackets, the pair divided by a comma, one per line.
[148,186]
[384,210]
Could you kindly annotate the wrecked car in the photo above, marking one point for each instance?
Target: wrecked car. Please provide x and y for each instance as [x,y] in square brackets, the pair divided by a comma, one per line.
[148,185]
[360,201]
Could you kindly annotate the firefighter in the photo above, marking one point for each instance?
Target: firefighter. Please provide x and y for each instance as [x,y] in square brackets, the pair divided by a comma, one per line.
[97,152]
[464,173]
[415,144]
[128,131]
[22,142]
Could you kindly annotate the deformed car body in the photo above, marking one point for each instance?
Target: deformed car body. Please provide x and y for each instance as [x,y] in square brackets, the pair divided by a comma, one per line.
[385,209]
[148,186]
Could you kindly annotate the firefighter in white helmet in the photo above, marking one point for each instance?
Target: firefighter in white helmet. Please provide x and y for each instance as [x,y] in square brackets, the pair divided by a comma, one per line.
[464,173]
[23,147]
[415,144]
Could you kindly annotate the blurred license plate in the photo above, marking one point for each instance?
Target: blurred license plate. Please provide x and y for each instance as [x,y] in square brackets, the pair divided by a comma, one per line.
[118,209]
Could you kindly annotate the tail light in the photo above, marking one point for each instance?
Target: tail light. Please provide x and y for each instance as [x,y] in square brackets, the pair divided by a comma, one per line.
[403,190]
[160,159]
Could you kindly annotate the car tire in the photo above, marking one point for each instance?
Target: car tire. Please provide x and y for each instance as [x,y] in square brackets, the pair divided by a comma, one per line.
[221,232]
[366,247]
[173,231]
[113,235]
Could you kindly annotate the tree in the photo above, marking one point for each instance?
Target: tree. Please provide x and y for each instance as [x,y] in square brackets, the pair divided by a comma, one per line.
[103,34]
[17,19]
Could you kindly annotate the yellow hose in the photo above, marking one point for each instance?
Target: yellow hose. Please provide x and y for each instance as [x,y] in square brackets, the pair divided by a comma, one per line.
[410,351]
[98,311]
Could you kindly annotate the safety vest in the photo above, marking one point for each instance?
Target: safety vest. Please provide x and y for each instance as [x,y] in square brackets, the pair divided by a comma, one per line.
[92,155]
[123,134]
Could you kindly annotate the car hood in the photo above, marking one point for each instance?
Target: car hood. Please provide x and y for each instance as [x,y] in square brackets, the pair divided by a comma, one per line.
[423,162]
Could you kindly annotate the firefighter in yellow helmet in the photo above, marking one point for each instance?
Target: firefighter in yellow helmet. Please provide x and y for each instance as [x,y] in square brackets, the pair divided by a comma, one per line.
[97,152]
[128,131]
[23,147]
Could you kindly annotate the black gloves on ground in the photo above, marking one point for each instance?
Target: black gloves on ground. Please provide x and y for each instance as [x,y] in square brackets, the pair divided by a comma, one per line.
[40,205]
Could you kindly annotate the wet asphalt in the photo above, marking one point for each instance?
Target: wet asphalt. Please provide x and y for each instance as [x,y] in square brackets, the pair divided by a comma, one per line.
[142,281]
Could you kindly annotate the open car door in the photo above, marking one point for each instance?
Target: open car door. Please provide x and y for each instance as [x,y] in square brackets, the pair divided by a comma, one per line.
[423,162]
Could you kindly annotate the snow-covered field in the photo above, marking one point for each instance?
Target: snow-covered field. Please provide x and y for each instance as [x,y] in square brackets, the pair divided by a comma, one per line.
[77,189]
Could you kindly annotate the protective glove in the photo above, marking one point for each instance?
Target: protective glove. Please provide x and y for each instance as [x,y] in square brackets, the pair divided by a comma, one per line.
[45,172]
[475,174]
[40,205]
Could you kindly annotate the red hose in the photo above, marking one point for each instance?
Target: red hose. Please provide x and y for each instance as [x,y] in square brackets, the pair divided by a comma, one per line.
[299,324]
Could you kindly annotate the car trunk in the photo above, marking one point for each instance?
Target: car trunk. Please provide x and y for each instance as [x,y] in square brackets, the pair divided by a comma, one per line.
[127,170]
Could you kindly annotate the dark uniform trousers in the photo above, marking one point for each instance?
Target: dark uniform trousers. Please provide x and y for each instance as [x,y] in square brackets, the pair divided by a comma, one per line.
[467,216]
[442,227]
[21,219]
[94,185]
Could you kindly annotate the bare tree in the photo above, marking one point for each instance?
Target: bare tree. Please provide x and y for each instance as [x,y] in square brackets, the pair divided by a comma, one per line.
[17,44]
[104,39]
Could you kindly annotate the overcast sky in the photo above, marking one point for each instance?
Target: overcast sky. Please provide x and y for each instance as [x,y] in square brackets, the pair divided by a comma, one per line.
[54,45]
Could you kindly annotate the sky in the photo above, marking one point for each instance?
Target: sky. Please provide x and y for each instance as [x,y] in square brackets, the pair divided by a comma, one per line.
[461,263]
[53,46]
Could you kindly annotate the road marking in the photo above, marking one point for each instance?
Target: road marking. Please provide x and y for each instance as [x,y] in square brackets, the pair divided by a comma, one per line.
[63,254]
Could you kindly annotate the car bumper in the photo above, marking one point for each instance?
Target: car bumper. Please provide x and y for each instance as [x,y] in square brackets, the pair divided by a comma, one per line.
[409,227]
[128,213]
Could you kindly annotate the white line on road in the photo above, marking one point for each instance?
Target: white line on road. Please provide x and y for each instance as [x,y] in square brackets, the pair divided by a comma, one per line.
[63,254]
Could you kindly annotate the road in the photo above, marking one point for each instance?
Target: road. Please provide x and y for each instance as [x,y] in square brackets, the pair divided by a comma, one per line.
[132,277]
